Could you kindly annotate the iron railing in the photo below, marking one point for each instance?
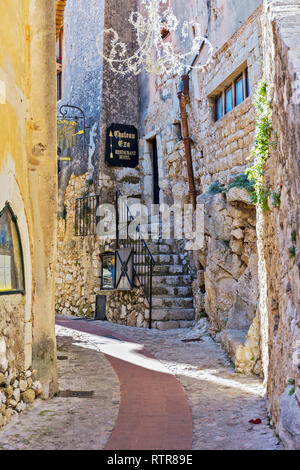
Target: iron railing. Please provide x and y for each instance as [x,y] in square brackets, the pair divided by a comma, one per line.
[86,218]
[128,235]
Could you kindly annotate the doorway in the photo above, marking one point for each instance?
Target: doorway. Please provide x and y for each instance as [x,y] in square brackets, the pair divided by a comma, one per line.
[156,188]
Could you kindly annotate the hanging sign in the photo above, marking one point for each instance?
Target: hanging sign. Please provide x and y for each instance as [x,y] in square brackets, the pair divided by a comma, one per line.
[122,147]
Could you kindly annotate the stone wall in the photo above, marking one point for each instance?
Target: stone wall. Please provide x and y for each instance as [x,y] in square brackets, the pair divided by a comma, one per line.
[78,271]
[82,85]
[17,390]
[281,227]
[227,289]
[105,98]
[229,259]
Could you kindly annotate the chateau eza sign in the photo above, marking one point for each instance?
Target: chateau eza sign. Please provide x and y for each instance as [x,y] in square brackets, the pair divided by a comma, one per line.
[122,146]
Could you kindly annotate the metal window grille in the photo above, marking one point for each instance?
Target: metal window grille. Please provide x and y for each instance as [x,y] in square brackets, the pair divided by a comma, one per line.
[86,216]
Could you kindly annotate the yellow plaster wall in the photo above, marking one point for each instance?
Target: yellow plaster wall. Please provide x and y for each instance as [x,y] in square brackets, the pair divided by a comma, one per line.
[28,178]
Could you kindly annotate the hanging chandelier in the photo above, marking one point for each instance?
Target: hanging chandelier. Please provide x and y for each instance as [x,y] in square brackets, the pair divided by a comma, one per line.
[155,54]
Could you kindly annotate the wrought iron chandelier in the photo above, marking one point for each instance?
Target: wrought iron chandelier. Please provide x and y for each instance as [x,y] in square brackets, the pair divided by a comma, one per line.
[155,54]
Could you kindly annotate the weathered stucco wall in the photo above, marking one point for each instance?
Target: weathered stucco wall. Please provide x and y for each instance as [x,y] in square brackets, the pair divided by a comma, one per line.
[82,86]
[27,167]
[89,83]
[281,227]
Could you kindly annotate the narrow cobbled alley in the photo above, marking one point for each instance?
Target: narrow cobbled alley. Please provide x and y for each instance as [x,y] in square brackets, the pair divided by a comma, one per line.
[132,388]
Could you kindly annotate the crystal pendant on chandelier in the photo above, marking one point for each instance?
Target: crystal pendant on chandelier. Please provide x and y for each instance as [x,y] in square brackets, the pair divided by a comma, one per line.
[154,54]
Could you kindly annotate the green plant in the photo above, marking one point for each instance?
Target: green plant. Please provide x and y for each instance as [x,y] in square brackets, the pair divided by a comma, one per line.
[64,214]
[215,188]
[203,314]
[292,391]
[290,382]
[276,198]
[260,151]
[43,413]
[292,251]
[274,143]
[242,181]
[294,236]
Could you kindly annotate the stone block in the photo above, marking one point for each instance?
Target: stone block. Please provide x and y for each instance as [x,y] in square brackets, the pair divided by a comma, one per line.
[28,396]
[238,195]
[186,324]
[167,325]
[2,379]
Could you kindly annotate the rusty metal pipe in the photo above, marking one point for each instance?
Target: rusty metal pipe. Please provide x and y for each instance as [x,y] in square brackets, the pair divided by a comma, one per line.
[183,96]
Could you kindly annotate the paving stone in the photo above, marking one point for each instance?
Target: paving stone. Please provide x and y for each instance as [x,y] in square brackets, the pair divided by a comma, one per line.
[221,401]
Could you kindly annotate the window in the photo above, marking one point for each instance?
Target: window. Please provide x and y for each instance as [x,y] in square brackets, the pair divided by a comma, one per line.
[11,257]
[233,95]
[164,33]
[228,100]
[239,90]
[108,271]
[59,51]
[219,108]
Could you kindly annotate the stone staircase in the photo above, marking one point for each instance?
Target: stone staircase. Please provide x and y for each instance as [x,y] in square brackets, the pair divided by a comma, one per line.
[172,301]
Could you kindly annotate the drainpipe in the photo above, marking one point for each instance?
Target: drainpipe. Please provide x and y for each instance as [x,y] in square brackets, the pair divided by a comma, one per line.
[183,96]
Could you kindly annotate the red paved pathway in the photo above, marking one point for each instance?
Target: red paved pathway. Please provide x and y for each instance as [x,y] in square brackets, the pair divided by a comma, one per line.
[154,411]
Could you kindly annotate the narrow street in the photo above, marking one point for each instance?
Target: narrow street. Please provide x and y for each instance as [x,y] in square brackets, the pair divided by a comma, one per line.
[132,388]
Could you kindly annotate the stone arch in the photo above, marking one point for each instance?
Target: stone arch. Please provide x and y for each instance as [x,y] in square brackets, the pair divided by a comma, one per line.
[12,279]
[16,203]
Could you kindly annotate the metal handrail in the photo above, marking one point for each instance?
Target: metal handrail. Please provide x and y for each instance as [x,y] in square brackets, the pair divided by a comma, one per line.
[143,261]
[86,220]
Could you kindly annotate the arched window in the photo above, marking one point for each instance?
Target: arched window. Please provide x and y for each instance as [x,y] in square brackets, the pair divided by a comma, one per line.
[11,255]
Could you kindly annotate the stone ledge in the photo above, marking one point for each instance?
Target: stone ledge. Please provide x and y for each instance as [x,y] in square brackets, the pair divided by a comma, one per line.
[289,420]
[232,340]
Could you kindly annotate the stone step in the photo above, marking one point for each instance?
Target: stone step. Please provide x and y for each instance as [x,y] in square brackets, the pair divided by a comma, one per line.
[169,259]
[154,218]
[162,260]
[173,291]
[153,226]
[172,325]
[172,302]
[169,314]
[175,281]
[170,270]
[160,248]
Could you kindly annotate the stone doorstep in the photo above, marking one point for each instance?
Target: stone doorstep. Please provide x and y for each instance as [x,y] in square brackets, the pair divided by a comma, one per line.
[173,325]
[173,314]
[231,340]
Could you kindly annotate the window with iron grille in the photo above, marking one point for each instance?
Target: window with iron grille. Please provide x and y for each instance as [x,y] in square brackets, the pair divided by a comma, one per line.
[86,218]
